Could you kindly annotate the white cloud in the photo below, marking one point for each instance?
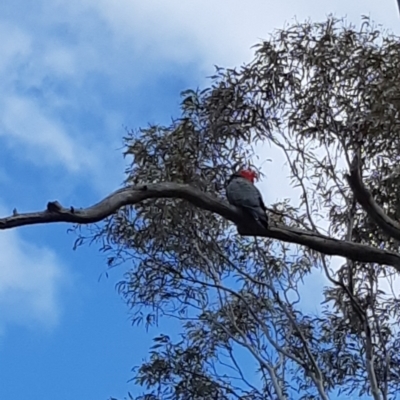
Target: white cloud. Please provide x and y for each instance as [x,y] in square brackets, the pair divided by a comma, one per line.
[42,78]
[46,141]
[30,279]
[61,61]
[219,32]
[127,41]
[10,50]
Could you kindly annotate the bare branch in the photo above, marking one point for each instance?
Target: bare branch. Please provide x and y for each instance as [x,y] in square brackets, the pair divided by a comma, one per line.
[275,382]
[315,371]
[369,358]
[364,197]
[136,194]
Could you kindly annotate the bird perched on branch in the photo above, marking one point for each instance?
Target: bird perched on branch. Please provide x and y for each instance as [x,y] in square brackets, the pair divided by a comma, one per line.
[241,192]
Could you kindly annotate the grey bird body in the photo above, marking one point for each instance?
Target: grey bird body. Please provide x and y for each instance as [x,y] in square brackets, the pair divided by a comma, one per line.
[242,193]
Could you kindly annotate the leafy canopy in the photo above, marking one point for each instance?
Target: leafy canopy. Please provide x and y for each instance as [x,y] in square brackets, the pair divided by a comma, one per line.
[319,93]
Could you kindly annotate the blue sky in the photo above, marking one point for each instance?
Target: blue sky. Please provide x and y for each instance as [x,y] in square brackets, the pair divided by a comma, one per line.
[73,75]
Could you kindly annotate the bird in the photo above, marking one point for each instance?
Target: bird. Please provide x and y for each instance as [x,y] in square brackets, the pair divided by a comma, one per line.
[242,193]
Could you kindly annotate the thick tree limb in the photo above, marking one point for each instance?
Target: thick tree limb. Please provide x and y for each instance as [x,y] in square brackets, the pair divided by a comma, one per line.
[367,202]
[133,195]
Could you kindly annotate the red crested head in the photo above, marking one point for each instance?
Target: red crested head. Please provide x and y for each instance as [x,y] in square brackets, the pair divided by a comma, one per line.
[248,174]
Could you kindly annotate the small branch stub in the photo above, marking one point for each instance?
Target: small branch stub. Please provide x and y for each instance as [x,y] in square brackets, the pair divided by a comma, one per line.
[54,206]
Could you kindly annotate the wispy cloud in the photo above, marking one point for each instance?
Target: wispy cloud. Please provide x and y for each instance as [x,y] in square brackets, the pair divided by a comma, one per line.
[74,53]
[30,279]
[47,86]
[218,32]
[42,139]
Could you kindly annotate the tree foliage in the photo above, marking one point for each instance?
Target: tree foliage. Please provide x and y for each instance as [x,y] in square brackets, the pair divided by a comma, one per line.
[327,96]
[321,94]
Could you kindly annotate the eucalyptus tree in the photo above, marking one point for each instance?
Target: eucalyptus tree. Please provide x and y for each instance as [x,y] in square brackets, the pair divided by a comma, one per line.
[327,96]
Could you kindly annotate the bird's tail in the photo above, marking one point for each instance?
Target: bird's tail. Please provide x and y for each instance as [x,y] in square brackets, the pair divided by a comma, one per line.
[260,216]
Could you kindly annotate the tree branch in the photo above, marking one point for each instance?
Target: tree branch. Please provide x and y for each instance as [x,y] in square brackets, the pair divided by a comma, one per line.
[136,194]
[367,202]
